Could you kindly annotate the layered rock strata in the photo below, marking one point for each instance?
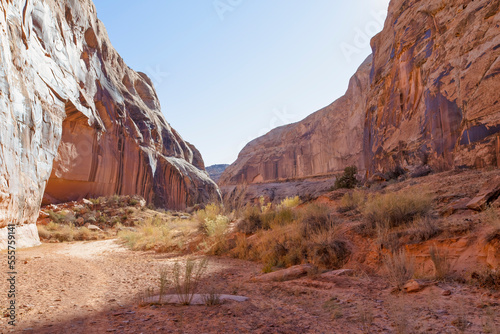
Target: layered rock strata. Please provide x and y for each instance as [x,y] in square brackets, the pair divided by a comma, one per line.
[76,121]
[427,96]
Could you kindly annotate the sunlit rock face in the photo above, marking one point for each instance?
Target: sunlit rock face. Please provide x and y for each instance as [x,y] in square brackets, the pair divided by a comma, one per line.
[428,95]
[76,122]
[320,145]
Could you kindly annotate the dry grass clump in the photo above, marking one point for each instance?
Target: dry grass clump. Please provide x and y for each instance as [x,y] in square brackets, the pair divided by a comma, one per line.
[67,233]
[213,224]
[268,216]
[186,280]
[215,230]
[152,234]
[308,236]
[442,263]
[423,229]
[486,278]
[400,268]
[352,201]
[327,250]
[396,209]
[315,218]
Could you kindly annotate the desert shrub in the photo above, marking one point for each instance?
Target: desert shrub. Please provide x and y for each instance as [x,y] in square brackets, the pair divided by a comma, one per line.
[314,218]
[274,247]
[43,232]
[327,250]
[186,280]
[61,218]
[67,232]
[242,248]
[352,200]
[348,179]
[441,261]
[395,209]
[400,268]
[212,298]
[163,282]
[486,278]
[423,229]
[290,202]
[251,221]
[211,211]
[83,233]
[215,229]
[152,234]
[276,217]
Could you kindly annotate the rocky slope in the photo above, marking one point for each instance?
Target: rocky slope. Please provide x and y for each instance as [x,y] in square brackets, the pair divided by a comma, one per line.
[428,95]
[76,122]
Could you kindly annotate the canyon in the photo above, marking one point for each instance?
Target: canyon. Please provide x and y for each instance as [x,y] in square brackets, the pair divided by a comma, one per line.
[76,121]
[426,98]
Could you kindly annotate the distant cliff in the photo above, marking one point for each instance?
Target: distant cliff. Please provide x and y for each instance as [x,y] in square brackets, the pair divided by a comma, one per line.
[215,171]
[76,121]
[428,95]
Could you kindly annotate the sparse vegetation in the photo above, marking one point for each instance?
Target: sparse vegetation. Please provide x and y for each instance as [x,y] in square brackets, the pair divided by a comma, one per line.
[334,308]
[163,282]
[423,229]
[187,279]
[348,179]
[152,234]
[212,298]
[308,235]
[400,268]
[352,201]
[365,317]
[290,202]
[441,261]
[215,229]
[486,278]
[395,209]
[67,232]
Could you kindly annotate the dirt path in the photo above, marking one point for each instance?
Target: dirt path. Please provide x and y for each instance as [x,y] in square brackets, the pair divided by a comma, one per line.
[92,287]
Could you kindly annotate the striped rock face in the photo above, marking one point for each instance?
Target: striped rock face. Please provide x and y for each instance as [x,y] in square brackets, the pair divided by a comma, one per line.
[427,96]
[76,121]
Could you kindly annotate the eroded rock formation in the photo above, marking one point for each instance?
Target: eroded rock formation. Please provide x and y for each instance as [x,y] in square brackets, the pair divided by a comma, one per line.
[76,121]
[428,95]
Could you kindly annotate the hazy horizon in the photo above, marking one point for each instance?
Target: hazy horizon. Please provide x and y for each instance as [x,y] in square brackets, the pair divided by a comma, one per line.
[227,72]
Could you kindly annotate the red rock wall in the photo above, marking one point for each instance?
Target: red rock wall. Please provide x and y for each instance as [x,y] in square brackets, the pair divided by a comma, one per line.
[428,95]
[76,121]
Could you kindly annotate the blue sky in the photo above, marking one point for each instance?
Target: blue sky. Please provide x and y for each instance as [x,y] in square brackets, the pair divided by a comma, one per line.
[228,71]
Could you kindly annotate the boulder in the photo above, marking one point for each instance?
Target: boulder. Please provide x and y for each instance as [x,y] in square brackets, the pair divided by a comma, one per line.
[285,274]
[457,205]
[414,286]
[489,192]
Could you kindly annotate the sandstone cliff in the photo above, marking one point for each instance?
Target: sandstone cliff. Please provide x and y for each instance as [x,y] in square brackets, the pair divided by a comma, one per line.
[428,95]
[75,121]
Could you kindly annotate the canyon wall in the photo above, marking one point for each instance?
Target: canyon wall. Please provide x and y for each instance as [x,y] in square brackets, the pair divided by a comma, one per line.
[76,121]
[428,95]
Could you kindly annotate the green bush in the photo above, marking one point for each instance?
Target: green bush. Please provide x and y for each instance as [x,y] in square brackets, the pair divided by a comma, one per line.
[348,179]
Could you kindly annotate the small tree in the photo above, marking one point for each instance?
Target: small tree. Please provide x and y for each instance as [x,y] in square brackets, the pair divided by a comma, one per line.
[348,179]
